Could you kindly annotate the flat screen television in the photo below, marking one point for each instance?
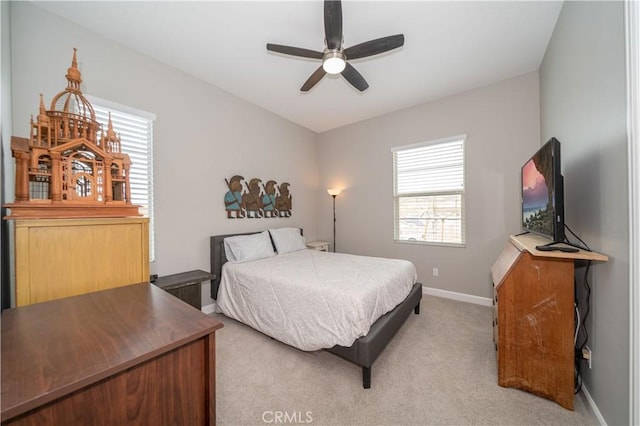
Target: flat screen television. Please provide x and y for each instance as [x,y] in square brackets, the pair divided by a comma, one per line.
[543,193]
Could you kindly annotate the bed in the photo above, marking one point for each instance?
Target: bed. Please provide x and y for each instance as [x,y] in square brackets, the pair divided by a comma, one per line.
[363,351]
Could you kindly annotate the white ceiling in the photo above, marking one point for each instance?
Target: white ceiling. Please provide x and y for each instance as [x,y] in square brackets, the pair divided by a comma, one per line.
[450,47]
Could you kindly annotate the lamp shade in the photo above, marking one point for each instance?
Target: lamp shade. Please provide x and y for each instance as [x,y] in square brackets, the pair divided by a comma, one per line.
[334,62]
[334,192]
[334,65]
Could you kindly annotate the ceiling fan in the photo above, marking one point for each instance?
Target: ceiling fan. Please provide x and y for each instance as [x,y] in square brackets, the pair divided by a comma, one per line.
[334,57]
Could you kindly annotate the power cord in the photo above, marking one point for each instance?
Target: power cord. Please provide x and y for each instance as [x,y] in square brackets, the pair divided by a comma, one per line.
[584,247]
[581,326]
[581,323]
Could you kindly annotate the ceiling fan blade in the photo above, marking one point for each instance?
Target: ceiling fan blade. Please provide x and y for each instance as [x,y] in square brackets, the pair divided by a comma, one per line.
[355,78]
[294,51]
[313,80]
[333,23]
[374,47]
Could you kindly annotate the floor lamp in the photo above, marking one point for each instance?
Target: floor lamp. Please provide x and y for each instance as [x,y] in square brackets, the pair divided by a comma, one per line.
[334,193]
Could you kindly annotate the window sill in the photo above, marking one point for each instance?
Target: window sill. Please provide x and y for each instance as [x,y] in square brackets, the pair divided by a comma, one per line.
[430,243]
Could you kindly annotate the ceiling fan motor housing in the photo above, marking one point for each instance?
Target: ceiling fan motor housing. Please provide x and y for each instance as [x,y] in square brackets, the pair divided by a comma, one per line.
[334,61]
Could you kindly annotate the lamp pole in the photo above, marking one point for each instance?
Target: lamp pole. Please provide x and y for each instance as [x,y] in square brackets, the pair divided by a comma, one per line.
[334,221]
[334,193]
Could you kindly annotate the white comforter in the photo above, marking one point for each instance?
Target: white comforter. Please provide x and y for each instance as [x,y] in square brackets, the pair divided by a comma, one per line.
[311,299]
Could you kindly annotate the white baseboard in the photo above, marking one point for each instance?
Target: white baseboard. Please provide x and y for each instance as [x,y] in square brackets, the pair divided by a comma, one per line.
[484,301]
[209,309]
[593,406]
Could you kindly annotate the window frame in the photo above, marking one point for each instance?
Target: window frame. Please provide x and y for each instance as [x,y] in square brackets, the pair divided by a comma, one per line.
[462,192]
[632,18]
[104,104]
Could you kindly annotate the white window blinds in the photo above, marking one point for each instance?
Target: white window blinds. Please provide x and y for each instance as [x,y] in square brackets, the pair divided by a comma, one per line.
[429,192]
[135,128]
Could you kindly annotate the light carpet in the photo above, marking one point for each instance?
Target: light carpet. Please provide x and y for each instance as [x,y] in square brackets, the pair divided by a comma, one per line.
[440,369]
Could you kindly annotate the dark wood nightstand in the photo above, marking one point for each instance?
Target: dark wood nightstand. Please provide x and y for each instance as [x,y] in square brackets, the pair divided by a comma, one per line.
[186,286]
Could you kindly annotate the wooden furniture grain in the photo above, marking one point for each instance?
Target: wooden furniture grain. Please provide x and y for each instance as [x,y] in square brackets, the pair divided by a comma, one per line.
[186,286]
[58,258]
[129,355]
[534,317]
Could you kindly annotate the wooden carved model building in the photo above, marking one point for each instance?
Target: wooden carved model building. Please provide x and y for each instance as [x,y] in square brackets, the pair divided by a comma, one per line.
[70,166]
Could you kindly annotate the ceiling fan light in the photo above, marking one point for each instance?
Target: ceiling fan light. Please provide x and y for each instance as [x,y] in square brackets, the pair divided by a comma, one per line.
[334,62]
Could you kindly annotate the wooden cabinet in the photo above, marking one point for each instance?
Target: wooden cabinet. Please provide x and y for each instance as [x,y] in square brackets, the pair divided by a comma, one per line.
[129,355]
[58,258]
[534,318]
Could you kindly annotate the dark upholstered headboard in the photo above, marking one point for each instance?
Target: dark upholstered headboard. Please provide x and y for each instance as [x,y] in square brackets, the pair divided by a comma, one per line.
[219,258]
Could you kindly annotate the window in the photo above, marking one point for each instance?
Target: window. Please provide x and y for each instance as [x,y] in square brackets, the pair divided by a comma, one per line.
[135,128]
[428,192]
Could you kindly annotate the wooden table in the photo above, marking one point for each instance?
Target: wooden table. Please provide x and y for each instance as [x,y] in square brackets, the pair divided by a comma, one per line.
[132,354]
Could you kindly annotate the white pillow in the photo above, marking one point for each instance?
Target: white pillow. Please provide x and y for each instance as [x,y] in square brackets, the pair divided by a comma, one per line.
[244,248]
[287,240]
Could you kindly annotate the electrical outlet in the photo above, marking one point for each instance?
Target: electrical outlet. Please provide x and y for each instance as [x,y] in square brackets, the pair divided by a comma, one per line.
[436,272]
[587,355]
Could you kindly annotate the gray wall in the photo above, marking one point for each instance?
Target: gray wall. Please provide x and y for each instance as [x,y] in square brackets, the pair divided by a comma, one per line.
[6,231]
[583,104]
[501,122]
[201,136]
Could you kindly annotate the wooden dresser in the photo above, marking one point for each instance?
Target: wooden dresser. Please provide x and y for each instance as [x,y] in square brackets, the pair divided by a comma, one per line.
[533,327]
[128,355]
[66,257]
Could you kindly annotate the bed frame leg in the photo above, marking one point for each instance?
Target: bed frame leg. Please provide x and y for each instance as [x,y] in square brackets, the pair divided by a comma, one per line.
[416,310]
[366,377]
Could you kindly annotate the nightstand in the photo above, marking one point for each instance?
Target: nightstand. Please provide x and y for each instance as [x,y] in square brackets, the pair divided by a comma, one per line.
[319,245]
[186,286]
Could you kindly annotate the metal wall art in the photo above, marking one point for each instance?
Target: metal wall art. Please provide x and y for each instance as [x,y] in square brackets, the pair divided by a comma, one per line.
[254,199]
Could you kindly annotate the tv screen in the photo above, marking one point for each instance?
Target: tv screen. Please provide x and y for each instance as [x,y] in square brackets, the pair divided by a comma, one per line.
[542,193]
